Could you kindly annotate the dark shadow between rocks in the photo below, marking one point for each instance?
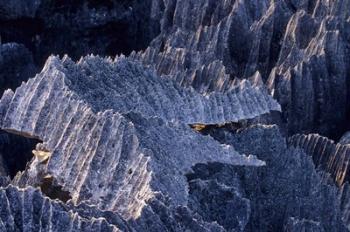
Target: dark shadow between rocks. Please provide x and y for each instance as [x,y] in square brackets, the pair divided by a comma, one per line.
[79,28]
[53,191]
[16,151]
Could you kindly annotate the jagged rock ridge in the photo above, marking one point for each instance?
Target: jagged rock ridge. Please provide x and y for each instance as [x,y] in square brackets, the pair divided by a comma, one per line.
[213,59]
[147,155]
[133,88]
[28,210]
[300,48]
[285,195]
[332,158]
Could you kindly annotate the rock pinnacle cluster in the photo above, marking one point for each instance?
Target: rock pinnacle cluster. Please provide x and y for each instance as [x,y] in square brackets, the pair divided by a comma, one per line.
[175,115]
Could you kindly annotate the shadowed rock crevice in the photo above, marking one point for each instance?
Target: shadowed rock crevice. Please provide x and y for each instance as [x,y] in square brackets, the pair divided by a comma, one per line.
[287,192]
[16,65]
[16,151]
[117,150]
[79,28]
[54,191]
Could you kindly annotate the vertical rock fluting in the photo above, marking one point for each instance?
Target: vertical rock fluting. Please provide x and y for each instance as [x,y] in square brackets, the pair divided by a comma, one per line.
[327,155]
[86,134]
[28,210]
[285,194]
[332,158]
[115,147]
[299,47]
[310,77]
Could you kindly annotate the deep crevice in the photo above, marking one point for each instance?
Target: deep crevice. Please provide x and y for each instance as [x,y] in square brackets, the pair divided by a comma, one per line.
[58,28]
[54,191]
[16,151]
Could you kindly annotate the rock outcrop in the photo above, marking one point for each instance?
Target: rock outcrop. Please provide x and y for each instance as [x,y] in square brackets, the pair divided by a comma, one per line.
[87,131]
[327,155]
[287,187]
[175,134]
[28,210]
[300,48]
[330,157]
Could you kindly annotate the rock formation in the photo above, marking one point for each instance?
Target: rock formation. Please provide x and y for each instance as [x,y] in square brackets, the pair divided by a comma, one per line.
[287,193]
[87,131]
[28,210]
[209,115]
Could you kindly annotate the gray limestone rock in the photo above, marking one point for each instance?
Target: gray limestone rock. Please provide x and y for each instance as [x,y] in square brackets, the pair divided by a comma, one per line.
[300,48]
[288,186]
[28,210]
[114,142]
[136,89]
[327,155]
[332,158]
[100,156]
[18,9]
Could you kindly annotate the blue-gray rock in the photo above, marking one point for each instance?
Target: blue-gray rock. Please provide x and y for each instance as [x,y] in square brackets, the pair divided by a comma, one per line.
[101,156]
[28,210]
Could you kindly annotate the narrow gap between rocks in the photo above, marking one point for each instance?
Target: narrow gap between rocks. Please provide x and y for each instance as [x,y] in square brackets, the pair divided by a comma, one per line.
[16,154]
[16,151]
[54,191]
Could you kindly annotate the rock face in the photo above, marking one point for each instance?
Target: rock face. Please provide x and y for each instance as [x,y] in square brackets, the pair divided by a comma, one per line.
[345,139]
[332,158]
[299,47]
[210,121]
[86,135]
[310,78]
[134,88]
[287,187]
[28,210]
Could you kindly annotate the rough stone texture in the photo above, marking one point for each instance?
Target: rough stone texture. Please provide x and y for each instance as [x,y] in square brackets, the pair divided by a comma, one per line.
[217,196]
[296,225]
[28,210]
[16,65]
[203,51]
[114,140]
[288,186]
[310,77]
[301,48]
[134,88]
[330,157]
[86,135]
[18,9]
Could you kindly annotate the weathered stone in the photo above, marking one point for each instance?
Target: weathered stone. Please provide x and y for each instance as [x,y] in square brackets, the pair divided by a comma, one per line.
[76,113]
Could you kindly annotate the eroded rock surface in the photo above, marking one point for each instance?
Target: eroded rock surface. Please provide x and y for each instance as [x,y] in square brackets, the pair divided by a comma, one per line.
[87,134]
[120,142]
[28,210]
[288,186]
